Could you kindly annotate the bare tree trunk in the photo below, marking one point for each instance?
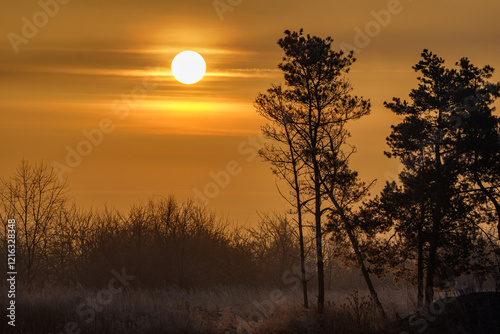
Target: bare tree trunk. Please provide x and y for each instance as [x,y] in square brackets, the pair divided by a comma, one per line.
[420,259]
[431,263]
[436,225]
[302,251]
[359,257]
[319,241]
[366,274]
[321,274]
[303,277]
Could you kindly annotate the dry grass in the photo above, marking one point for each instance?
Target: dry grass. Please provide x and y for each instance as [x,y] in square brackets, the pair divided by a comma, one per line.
[216,310]
[227,310]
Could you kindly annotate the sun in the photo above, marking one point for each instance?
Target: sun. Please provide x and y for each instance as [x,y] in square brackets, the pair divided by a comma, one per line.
[188,67]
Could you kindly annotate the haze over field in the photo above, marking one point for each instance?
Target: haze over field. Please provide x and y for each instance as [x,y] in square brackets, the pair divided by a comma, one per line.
[85,62]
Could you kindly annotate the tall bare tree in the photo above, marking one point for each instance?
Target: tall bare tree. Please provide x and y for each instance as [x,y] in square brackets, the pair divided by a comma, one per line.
[285,159]
[35,198]
[309,115]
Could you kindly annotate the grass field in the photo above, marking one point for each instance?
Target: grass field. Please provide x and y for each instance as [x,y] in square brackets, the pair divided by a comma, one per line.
[221,309]
[214,310]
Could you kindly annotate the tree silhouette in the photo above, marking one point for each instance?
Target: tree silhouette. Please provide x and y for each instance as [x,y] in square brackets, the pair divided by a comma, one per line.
[36,199]
[478,139]
[285,158]
[308,120]
[437,152]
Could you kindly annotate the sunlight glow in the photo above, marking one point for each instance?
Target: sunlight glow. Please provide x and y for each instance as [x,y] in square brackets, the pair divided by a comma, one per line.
[188,67]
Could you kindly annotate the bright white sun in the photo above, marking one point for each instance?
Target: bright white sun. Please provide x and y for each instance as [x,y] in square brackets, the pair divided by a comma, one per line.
[188,67]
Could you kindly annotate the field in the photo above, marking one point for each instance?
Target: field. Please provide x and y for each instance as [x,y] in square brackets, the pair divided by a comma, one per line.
[220,309]
[173,310]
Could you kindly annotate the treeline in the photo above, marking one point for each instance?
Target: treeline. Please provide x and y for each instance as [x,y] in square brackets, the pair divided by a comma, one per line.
[162,242]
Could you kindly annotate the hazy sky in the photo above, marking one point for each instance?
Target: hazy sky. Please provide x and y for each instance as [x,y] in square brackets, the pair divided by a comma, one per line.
[82,65]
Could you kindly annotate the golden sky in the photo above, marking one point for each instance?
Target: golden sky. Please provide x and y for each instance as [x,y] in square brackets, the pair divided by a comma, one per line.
[94,63]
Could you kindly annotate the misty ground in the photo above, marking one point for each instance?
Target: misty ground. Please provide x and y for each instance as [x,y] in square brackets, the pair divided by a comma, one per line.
[251,309]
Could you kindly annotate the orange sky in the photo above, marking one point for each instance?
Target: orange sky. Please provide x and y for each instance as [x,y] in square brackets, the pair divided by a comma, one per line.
[88,57]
